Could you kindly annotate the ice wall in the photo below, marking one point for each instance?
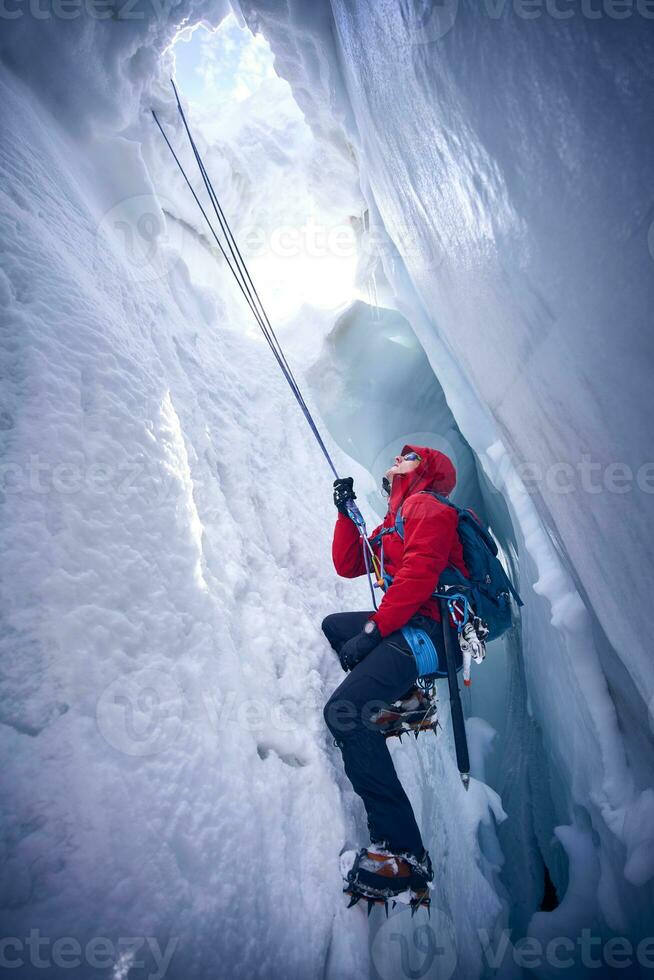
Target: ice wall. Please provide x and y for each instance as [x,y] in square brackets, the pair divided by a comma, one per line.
[508,160]
[507,194]
[167,774]
[505,160]
[171,800]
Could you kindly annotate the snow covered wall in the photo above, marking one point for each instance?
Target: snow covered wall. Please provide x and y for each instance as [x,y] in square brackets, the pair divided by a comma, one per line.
[165,517]
[506,154]
[157,727]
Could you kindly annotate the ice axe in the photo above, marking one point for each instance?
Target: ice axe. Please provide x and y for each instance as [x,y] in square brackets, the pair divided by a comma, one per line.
[458,724]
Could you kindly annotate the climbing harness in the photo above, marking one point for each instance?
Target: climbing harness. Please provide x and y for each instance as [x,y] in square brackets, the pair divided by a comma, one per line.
[471,629]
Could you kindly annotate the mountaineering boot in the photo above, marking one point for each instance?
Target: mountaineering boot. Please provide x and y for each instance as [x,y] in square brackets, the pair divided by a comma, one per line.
[380,875]
[415,712]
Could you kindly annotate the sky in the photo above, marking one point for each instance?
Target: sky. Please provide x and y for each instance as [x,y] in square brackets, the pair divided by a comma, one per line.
[217,70]
[221,66]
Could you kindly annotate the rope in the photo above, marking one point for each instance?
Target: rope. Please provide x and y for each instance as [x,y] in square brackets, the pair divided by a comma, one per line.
[234,249]
[238,267]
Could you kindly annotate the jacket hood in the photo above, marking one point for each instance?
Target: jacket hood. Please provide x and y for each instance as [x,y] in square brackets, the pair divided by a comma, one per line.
[435,472]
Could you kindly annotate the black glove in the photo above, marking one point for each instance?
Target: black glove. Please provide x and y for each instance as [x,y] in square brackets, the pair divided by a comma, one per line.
[344,491]
[358,647]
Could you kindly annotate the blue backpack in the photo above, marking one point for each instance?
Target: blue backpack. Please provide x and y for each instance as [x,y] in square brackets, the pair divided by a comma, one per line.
[489,588]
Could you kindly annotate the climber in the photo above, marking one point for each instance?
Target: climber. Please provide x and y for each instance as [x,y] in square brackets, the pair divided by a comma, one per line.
[379,652]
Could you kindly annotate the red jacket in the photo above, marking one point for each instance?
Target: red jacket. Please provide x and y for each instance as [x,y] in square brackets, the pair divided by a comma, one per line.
[430,542]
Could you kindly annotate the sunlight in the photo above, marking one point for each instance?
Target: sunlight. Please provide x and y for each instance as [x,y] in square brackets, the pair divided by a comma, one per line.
[286,284]
[215,67]
[300,251]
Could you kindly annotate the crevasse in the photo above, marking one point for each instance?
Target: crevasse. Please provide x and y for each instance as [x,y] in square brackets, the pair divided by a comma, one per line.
[165,517]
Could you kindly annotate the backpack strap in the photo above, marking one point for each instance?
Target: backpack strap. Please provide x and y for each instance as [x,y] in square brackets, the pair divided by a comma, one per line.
[399,520]
[467,516]
[378,537]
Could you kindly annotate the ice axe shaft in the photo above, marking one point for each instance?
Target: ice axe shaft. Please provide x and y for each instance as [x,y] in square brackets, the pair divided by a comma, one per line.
[458,724]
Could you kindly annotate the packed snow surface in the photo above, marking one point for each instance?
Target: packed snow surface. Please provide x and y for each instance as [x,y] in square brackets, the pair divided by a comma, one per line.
[172,803]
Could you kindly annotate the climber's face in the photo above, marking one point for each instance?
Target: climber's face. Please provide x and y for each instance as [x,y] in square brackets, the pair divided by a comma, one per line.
[404,464]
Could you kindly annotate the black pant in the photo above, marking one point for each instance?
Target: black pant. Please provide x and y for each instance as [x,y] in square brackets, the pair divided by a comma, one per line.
[384,676]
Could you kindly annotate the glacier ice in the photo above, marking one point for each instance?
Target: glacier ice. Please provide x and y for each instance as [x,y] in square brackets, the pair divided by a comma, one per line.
[165,517]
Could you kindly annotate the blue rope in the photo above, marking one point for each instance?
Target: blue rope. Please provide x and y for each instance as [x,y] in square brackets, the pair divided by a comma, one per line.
[451,599]
[357,518]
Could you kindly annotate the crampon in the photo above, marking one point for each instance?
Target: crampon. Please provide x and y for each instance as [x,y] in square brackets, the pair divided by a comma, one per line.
[378,876]
[414,713]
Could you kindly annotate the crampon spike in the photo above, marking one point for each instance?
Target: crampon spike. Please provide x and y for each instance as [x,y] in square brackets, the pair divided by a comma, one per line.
[353,900]
[386,908]
[419,902]
[370,906]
